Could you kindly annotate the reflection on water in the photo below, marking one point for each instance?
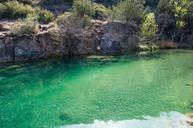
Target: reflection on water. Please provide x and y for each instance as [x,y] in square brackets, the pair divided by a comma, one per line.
[166,120]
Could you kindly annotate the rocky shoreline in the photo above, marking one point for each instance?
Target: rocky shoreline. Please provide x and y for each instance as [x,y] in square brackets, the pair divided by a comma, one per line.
[101,37]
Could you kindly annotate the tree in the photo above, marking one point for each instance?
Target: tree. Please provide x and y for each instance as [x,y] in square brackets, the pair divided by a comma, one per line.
[149,27]
[129,11]
[183,11]
[180,9]
[165,6]
[188,18]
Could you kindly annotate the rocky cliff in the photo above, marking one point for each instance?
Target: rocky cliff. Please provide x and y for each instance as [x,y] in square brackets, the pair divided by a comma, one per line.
[99,38]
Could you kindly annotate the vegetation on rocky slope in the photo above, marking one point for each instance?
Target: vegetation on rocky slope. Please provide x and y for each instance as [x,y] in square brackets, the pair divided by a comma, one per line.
[13,10]
[149,27]
[129,11]
[164,19]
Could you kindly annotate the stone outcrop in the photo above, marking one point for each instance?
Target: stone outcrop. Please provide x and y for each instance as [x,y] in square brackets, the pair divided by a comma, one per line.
[100,38]
[119,37]
[166,25]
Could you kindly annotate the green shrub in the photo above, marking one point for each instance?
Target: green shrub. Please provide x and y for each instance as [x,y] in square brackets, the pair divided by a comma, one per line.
[80,15]
[2,10]
[26,26]
[71,19]
[129,11]
[86,20]
[83,7]
[64,18]
[100,11]
[44,16]
[149,27]
[14,10]
[89,8]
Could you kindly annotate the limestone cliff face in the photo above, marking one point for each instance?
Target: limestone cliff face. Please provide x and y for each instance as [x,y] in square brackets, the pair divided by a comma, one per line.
[118,38]
[100,38]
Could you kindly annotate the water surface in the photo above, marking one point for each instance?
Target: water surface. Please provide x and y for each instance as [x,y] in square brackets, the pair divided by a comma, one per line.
[80,90]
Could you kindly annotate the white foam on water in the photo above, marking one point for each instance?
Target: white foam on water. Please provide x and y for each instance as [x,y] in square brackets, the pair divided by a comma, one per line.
[166,120]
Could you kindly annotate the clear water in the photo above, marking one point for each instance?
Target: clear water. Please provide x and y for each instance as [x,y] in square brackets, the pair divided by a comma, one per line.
[81,90]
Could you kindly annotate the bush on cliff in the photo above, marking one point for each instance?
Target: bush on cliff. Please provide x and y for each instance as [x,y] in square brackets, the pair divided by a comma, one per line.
[100,11]
[26,26]
[129,11]
[80,15]
[62,18]
[83,7]
[89,8]
[149,27]
[44,16]
[14,10]
[70,19]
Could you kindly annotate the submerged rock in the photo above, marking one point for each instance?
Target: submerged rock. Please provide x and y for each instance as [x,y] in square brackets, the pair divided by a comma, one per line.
[65,116]
[189,84]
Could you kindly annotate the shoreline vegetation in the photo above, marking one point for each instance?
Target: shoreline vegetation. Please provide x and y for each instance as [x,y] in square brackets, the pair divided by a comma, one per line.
[144,25]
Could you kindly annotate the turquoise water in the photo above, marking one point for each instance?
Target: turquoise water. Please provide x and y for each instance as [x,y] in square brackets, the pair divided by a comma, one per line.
[79,90]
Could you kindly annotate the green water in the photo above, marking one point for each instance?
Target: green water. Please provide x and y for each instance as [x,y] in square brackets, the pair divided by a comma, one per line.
[80,90]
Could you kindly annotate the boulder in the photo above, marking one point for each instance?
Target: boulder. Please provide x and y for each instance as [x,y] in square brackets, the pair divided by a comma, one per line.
[81,41]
